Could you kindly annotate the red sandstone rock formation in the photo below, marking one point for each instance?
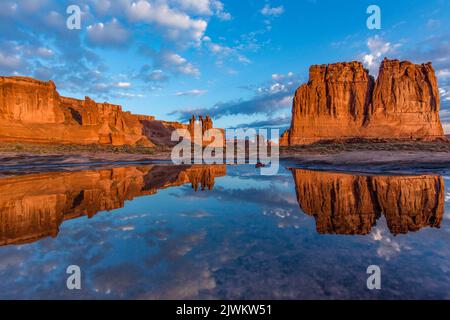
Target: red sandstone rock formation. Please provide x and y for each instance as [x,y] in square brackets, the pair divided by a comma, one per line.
[205,124]
[33,111]
[33,207]
[342,101]
[351,204]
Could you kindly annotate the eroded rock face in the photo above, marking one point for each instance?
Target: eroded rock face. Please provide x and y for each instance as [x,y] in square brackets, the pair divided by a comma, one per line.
[342,101]
[33,207]
[351,204]
[29,100]
[405,102]
[33,111]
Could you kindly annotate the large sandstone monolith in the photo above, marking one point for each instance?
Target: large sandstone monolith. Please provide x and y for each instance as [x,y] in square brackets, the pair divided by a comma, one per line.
[342,101]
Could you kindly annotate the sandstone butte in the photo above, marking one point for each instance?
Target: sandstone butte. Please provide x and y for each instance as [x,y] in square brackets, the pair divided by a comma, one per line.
[33,111]
[342,101]
[34,207]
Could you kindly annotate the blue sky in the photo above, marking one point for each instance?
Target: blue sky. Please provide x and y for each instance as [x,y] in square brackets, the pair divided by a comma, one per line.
[239,61]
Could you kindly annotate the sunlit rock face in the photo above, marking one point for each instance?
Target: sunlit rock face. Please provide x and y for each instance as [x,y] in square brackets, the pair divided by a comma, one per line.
[342,101]
[352,204]
[33,207]
[33,111]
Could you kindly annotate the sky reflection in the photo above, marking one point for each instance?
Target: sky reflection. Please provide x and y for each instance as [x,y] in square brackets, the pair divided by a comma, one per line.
[247,238]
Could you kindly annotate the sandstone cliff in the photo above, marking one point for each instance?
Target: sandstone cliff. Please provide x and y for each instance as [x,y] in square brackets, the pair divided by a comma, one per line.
[351,204]
[33,111]
[342,101]
[33,207]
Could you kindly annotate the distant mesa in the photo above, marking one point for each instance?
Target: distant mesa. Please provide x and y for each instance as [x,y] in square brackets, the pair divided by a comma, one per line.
[348,204]
[342,101]
[33,111]
[32,207]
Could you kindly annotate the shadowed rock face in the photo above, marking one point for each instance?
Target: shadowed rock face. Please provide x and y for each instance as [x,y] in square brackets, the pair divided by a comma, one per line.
[342,101]
[350,204]
[33,207]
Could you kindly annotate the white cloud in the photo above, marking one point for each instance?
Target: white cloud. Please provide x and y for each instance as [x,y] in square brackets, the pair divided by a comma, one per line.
[272,11]
[166,60]
[200,7]
[123,84]
[109,34]
[204,7]
[176,25]
[378,49]
[194,92]
[277,76]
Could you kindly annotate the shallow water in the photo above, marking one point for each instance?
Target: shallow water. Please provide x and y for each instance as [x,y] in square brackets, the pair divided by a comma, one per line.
[207,232]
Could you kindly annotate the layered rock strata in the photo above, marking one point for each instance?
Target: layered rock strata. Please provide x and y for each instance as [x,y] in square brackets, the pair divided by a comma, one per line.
[32,111]
[342,101]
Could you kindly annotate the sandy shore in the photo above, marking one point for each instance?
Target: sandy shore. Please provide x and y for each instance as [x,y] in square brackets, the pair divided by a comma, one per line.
[373,161]
[357,161]
[374,156]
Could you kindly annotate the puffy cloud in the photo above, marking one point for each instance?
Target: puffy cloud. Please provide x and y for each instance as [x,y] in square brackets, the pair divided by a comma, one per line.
[173,61]
[196,6]
[175,24]
[154,76]
[110,34]
[204,7]
[166,60]
[272,11]
[378,49]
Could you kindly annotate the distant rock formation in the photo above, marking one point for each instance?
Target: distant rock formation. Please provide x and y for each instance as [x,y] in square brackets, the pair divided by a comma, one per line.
[33,111]
[352,204]
[342,101]
[33,207]
[206,124]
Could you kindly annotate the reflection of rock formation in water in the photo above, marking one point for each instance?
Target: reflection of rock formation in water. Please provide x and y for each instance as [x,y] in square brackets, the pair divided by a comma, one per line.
[34,206]
[350,204]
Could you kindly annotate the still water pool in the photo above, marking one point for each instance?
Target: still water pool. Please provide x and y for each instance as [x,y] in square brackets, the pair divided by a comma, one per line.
[223,232]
